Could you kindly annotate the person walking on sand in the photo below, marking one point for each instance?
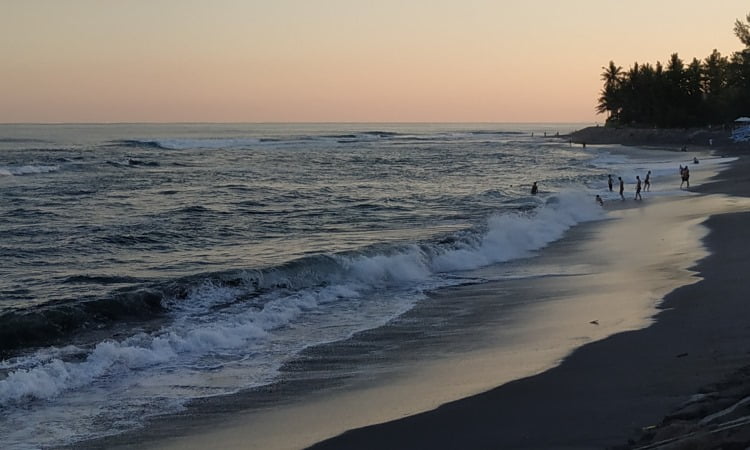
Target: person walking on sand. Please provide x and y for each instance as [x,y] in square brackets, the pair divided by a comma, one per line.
[685,171]
[638,188]
[534,189]
[622,188]
[609,182]
[647,182]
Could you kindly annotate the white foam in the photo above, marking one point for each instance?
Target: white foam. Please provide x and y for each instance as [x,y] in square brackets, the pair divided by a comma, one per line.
[512,236]
[408,267]
[184,144]
[26,170]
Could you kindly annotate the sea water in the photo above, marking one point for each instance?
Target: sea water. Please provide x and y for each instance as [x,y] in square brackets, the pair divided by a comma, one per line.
[144,266]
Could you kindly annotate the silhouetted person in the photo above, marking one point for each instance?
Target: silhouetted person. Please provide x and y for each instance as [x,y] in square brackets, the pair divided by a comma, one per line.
[609,182]
[534,189]
[622,188]
[685,176]
[638,188]
[647,182]
[599,200]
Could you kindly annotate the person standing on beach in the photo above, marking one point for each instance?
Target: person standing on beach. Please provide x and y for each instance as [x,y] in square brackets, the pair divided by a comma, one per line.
[647,182]
[622,188]
[609,182]
[534,189]
[638,188]
[685,176]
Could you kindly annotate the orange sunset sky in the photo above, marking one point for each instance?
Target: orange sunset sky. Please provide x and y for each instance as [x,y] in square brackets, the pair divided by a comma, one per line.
[336,61]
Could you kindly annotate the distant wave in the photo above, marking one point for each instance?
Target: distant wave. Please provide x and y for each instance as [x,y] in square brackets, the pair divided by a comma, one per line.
[22,140]
[133,162]
[10,171]
[185,144]
[243,142]
[498,133]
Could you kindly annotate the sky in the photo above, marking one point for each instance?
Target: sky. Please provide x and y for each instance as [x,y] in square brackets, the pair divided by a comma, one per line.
[336,60]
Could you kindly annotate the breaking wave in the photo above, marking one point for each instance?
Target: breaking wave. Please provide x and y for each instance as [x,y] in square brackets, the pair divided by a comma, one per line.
[241,309]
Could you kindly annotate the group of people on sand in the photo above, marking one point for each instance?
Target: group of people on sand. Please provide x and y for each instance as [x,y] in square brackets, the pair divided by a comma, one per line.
[644,185]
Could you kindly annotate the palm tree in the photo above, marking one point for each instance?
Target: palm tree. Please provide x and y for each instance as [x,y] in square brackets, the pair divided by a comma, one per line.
[742,30]
[609,100]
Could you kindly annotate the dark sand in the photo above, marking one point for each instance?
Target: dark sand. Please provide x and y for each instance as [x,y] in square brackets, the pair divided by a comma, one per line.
[652,388]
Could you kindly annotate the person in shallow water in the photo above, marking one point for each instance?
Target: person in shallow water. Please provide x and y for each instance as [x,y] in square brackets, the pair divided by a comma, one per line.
[599,200]
[534,189]
[622,188]
[609,182]
[647,182]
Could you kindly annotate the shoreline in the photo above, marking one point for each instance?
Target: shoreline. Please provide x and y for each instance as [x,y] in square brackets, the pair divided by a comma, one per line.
[638,389]
[236,432]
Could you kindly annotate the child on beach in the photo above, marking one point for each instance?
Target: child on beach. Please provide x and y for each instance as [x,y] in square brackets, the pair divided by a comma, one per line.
[599,200]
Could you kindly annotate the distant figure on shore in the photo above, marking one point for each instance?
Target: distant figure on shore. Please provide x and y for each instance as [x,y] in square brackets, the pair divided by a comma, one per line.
[684,148]
[622,188]
[638,188]
[695,160]
[609,182]
[647,182]
[534,189]
[599,200]
[685,172]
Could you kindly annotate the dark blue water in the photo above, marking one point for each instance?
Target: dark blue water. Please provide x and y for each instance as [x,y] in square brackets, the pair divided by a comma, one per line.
[147,265]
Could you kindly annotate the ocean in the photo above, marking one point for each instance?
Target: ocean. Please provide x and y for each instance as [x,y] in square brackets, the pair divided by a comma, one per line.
[147,266]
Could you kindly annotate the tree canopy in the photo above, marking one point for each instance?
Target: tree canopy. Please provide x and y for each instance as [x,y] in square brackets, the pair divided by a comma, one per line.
[714,90]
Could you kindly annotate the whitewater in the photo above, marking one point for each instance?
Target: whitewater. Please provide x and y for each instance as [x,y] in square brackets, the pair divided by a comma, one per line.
[147,266]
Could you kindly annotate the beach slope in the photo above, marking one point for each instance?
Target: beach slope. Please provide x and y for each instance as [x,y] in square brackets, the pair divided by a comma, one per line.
[608,392]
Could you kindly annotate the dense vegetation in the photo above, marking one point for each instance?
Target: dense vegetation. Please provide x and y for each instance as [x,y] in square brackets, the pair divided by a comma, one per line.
[715,90]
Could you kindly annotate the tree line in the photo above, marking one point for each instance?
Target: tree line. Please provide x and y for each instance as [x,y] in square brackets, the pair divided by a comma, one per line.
[712,91]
